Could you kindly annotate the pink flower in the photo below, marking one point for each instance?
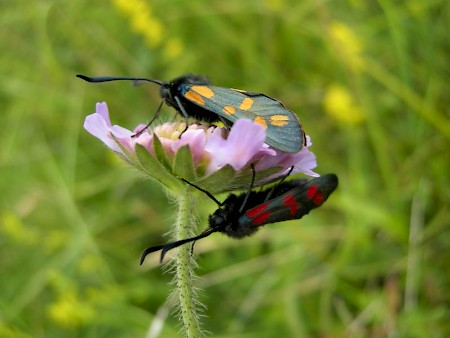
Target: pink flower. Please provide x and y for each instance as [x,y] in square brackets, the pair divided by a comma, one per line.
[212,148]
[99,125]
[244,144]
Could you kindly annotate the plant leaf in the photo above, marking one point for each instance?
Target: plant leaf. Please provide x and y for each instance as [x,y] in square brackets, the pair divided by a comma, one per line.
[154,169]
[183,165]
[160,154]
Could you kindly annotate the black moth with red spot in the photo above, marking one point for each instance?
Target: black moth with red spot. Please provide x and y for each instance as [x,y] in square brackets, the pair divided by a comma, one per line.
[242,215]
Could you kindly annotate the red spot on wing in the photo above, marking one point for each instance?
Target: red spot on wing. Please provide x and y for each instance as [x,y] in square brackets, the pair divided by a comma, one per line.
[257,210]
[318,199]
[291,203]
[261,218]
[312,191]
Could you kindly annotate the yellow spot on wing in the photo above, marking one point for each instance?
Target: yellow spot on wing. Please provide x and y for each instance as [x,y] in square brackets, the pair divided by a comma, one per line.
[229,110]
[279,120]
[260,120]
[194,97]
[246,104]
[203,91]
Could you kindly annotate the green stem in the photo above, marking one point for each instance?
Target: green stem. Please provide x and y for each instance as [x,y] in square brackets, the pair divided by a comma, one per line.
[184,266]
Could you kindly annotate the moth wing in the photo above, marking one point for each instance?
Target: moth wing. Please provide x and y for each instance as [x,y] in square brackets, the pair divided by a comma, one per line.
[283,129]
[293,204]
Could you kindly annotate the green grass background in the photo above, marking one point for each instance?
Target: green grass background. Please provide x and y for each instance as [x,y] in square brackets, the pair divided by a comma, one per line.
[374,261]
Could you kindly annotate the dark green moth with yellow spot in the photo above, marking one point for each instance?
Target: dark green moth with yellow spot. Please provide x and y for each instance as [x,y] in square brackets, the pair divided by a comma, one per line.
[194,96]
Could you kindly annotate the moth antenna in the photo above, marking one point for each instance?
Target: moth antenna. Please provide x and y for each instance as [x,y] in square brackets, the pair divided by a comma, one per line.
[207,193]
[208,231]
[173,245]
[99,79]
[149,251]
[169,246]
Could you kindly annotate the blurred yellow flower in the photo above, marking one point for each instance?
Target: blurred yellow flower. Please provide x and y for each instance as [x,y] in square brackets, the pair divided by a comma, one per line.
[69,311]
[275,5]
[12,332]
[417,8]
[12,226]
[347,43]
[359,4]
[173,48]
[142,20]
[339,104]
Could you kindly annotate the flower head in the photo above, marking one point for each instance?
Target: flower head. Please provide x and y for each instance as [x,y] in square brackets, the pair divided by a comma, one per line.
[340,104]
[213,158]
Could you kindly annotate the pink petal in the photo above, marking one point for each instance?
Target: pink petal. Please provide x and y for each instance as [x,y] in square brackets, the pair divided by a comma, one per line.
[99,125]
[196,139]
[243,143]
[101,108]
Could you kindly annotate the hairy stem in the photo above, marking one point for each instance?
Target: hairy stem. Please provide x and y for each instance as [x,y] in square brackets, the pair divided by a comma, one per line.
[184,267]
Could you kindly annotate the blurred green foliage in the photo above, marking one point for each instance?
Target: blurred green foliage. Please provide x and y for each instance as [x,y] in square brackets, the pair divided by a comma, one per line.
[370,83]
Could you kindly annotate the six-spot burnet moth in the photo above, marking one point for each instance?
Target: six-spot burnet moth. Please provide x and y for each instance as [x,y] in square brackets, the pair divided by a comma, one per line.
[242,215]
[193,95]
